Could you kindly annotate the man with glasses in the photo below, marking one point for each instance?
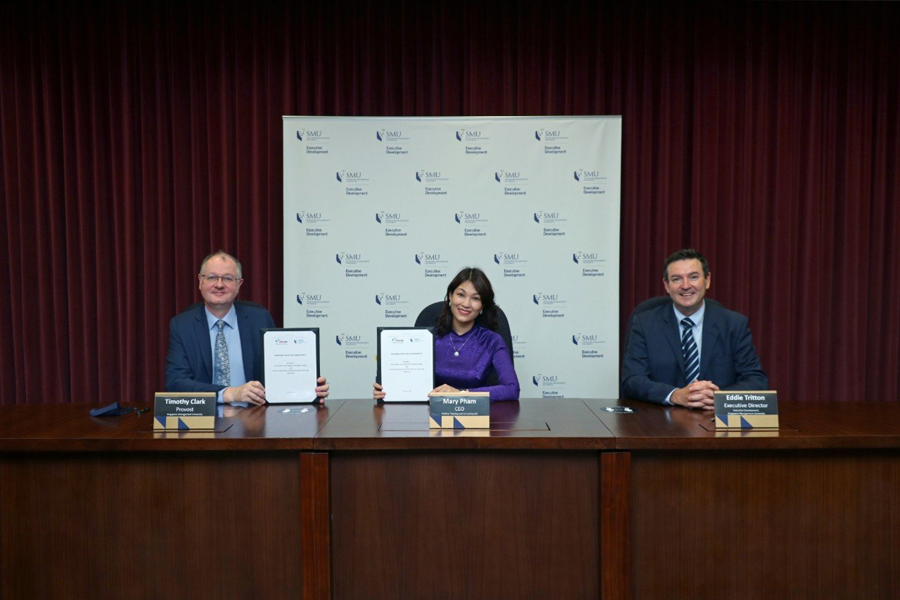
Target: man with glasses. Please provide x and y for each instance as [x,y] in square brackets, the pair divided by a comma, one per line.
[215,346]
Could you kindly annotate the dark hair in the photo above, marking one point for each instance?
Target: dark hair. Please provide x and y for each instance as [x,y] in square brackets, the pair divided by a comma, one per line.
[686,254]
[483,286]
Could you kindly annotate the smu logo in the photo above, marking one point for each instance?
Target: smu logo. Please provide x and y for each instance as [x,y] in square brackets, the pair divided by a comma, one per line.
[308,300]
[541,216]
[466,217]
[508,176]
[382,299]
[308,134]
[312,136]
[468,135]
[548,135]
[539,380]
[540,298]
[585,339]
[347,340]
[346,257]
[311,298]
[430,176]
[424,257]
[585,257]
[390,218]
[505,258]
[348,175]
[389,135]
[587,175]
[309,217]
[551,385]
[384,217]
[424,175]
[540,134]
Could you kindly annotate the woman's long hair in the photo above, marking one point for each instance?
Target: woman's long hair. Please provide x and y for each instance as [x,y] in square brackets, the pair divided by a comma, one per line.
[483,286]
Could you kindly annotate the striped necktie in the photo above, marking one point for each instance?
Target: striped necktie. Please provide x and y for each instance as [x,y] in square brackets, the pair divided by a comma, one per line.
[222,367]
[689,350]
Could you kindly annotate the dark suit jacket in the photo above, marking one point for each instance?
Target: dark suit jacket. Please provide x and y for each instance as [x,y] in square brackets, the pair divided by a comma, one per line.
[653,364]
[189,361]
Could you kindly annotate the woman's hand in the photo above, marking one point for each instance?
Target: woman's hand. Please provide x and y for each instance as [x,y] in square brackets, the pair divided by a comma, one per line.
[444,389]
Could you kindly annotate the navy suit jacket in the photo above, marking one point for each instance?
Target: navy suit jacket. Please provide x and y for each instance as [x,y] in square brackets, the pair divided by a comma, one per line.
[189,365]
[653,365]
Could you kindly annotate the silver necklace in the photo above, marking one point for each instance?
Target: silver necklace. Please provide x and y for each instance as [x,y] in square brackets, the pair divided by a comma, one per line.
[455,349]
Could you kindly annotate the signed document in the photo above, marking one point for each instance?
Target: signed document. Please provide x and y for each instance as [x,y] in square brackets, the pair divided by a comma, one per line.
[406,363]
[290,364]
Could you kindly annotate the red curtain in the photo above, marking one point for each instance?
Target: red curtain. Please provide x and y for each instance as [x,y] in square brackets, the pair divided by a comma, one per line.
[137,137]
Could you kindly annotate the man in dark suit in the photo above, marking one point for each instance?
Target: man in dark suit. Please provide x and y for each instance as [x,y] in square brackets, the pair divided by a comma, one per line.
[215,346]
[681,352]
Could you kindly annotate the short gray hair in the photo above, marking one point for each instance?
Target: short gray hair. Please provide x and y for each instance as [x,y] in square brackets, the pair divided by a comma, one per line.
[223,254]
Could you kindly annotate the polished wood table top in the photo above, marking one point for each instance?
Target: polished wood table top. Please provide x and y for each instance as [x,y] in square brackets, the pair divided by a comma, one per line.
[810,424]
[563,424]
[529,424]
[70,428]
[524,425]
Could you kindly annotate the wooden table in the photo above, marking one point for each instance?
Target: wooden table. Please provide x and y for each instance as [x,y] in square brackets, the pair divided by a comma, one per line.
[558,499]
[809,511]
[513,512]
[105,508]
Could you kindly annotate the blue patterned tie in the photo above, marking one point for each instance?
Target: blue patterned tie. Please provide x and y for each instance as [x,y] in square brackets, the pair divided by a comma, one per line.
[222,367]
[689,350]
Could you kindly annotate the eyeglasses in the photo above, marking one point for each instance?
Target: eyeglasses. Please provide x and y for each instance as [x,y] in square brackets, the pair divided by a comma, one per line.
[226,279]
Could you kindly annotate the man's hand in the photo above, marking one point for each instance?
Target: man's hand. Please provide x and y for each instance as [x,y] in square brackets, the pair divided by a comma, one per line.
[698,394]
[252,392]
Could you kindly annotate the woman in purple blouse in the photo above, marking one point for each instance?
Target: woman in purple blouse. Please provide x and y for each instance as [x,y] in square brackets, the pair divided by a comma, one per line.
[465,354]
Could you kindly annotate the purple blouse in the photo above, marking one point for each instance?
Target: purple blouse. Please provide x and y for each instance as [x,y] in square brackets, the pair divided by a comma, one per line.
[480,352]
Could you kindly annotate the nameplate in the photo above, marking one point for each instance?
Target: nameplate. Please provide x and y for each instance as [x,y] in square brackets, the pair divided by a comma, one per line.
[184,411]
[463,410]
[746,409]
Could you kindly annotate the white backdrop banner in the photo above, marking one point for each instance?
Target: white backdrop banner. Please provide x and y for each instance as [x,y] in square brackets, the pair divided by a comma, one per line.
[381,213]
